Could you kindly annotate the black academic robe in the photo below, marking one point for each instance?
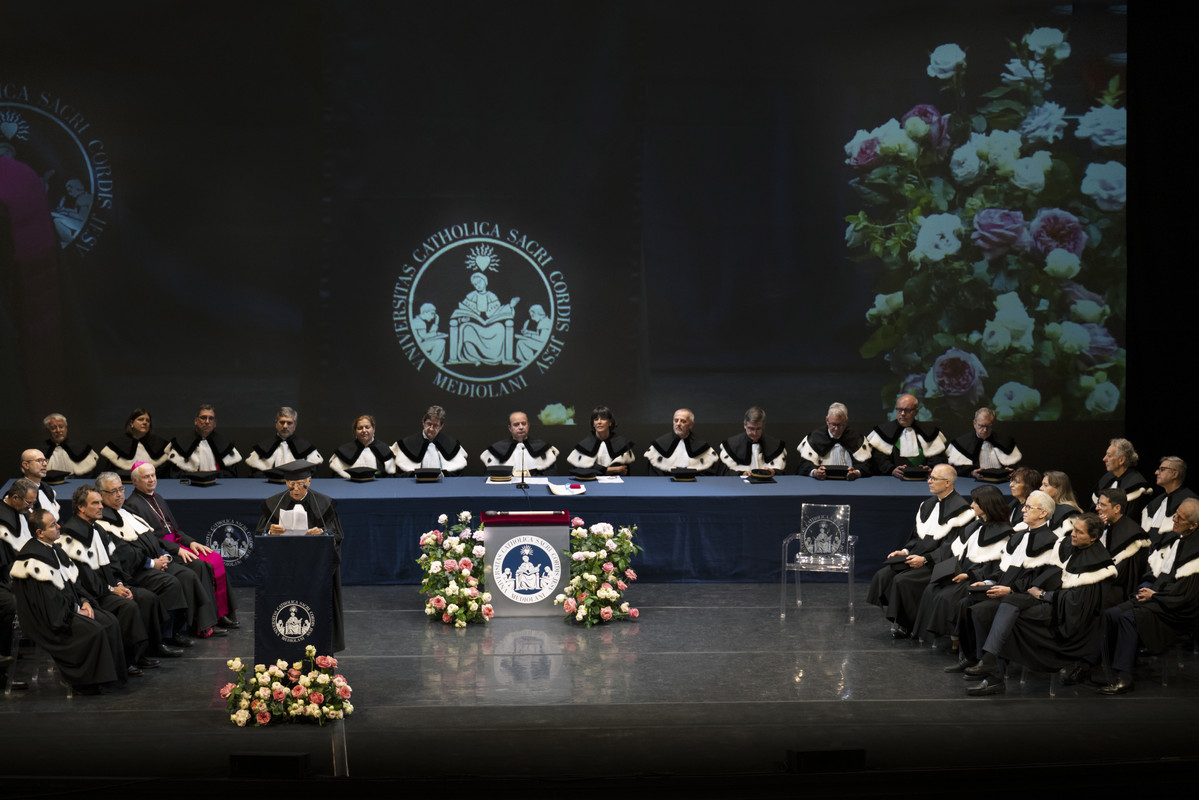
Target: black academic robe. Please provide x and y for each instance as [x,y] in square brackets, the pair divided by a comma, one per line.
[409,453]
[14,534]
[1157,519]
[700,455]
[344,457]
[223,453]
[541,457]
[1139,490]
[122,452]
[586,453]
[264,453]
[884,444]
[322,513]
[141,544]
[898,593]
[815,447]
[87,651]
[1174,607]
[736,453]
[964,452]
[142,617]
[1065,627]
[978,550]
[1030,559]
[1129,546]
[78,459]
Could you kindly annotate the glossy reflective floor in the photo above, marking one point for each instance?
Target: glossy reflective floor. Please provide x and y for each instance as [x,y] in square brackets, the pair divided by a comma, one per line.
[710,689]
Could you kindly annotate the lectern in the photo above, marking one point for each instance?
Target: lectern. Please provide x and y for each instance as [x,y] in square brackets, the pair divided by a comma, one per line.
[293,601]
[527,561]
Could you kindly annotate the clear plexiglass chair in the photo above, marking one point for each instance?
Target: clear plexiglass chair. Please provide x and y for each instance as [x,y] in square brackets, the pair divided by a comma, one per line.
[822,544]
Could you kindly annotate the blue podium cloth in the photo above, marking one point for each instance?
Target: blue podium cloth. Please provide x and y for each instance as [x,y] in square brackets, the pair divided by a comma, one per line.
[715,529]
[293,599]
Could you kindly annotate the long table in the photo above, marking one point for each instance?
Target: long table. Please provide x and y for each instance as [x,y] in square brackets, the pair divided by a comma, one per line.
[715,529]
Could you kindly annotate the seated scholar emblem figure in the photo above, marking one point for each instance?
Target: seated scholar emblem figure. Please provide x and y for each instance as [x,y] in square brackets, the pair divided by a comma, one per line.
[528,576]
[481,328]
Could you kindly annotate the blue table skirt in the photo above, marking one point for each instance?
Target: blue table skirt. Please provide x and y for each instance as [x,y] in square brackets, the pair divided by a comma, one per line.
[715,529]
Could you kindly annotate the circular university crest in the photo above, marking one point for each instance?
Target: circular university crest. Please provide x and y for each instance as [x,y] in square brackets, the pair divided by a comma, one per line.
[526,569]
[293,621]
[232,540]
[57,141]
[481,307]
[823,536]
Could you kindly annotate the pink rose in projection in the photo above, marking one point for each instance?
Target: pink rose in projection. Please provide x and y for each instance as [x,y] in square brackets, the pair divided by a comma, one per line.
[957,373]
[1054,229]
[998,231]
[606,613]
[862,150]
[938,127]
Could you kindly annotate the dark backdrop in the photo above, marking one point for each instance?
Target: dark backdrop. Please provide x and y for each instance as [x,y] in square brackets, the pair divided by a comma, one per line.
[277,166]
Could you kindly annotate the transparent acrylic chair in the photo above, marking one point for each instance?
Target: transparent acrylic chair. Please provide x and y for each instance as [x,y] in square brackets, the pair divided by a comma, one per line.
[822,544]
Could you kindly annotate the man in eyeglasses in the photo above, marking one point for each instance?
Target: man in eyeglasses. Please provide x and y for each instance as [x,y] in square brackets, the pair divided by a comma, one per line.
[904,442]
[33,468]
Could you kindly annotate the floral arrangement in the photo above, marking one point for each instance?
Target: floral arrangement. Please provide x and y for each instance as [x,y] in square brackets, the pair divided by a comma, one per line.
[454,580]
[282,693]
[1001,227]
[600,572]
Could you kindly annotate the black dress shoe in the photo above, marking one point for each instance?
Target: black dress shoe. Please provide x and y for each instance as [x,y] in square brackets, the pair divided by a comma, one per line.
[91,689]
[961,666]
[228,621]
[900,632]
[166,651]
[215,630]
[989,686]
[180,640]
[1121,686]
[134,672]
[145,662]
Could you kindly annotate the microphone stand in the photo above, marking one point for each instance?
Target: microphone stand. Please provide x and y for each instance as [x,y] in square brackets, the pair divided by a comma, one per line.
[523,484]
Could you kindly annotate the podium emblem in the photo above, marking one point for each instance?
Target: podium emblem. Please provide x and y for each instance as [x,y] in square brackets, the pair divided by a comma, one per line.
[526,569]
[293,621]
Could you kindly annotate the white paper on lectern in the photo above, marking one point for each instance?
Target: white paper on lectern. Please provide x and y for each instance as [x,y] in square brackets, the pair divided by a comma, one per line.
[294,521]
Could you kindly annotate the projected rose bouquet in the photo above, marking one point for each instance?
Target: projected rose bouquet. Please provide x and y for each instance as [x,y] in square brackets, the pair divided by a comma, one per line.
[281,692]
[601,570]
[1001,229]
[454,580]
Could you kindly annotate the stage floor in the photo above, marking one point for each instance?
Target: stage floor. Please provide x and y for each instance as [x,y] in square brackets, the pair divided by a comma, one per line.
[709,690]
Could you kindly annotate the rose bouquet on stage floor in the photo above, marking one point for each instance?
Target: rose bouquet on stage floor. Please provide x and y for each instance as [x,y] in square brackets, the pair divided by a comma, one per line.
[601,560]
[1001,229]
[283,693]
[454,580]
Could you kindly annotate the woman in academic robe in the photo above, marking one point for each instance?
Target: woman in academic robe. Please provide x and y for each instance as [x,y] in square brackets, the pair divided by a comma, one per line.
[321,511]
[140,443]
[364,452]
[603,450]
[973,556]
[1057,485]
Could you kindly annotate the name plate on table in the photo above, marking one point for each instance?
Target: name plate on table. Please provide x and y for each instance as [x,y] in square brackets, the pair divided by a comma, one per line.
[526,564]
